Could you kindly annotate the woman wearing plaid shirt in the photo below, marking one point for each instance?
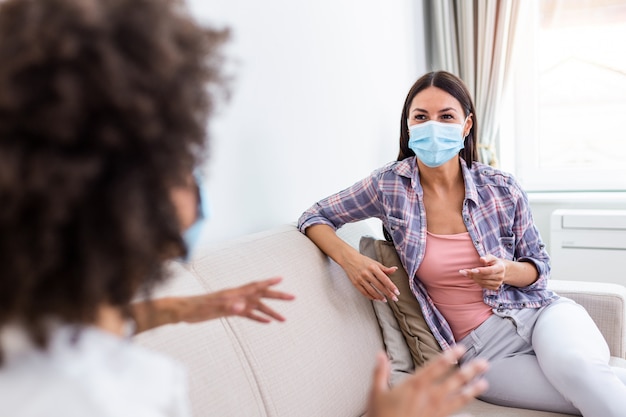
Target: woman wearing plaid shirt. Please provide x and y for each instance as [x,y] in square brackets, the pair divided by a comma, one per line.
[464,232]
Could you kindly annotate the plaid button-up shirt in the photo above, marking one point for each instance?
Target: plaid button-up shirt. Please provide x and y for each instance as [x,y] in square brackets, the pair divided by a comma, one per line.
[495,211]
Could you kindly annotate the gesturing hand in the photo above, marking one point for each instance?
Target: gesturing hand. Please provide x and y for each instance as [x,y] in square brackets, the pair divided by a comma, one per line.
[245,301]
[490,276]
[435,390]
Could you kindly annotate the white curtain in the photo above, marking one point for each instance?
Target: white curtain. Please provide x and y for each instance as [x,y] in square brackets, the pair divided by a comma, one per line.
[473,39]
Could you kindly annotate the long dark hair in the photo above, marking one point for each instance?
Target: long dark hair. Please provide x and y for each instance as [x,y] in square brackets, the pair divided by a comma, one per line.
[103,108]
[456,88]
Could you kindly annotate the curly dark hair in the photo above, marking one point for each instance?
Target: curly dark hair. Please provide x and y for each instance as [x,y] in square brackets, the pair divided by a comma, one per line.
[103,109]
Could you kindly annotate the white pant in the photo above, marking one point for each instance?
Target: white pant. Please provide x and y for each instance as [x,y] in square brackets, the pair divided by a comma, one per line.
[552,359]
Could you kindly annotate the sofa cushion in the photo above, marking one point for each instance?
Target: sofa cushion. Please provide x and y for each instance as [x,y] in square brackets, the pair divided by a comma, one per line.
[317,363]
[406,314]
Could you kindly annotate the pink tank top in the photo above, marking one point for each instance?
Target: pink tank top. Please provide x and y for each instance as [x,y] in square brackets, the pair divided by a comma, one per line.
[458,298]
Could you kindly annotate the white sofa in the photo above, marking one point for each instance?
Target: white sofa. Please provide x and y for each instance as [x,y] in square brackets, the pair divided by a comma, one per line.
[319,362]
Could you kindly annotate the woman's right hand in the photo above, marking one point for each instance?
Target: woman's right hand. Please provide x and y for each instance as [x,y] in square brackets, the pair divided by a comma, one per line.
[368,276]
[371,278]
[437,389]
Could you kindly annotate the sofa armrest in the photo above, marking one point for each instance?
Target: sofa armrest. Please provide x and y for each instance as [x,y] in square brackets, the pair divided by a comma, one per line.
[606,304]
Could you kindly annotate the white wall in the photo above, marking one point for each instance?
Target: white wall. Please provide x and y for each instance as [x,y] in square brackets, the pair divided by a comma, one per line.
[316,101]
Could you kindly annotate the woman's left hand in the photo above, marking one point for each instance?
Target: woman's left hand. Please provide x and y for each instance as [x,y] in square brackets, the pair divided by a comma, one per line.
[491,275]
[247,301]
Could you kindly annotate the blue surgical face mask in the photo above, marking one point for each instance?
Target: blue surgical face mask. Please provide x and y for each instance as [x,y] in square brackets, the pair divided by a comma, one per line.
[435,143]
[191,236]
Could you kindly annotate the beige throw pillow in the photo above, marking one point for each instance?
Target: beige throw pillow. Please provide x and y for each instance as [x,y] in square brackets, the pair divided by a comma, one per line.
[406,311]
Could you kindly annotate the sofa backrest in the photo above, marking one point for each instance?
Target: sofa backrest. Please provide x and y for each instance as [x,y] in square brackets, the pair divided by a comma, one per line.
[318,363]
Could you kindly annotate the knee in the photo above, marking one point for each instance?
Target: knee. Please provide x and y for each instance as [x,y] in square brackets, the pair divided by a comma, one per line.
[571,367]
[549,355]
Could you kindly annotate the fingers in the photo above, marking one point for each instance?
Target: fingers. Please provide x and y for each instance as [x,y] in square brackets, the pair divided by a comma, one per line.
[369,291]
[490,276]
[452,387]
[381,373]
[465,375]
[246,300]
[471,373]
[270,312]
[488,259]
[376,285]
[269,281]
[490,282]
[490,266]
[253,315]
[474,272]
[388,271]
[379,388]
[253,311]
[262,289]
[436,390]
[441,365]
[383,284]
[466,384]
[278,295]
[370,277]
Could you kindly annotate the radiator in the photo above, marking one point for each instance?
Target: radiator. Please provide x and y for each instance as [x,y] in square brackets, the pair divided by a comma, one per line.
[588,245]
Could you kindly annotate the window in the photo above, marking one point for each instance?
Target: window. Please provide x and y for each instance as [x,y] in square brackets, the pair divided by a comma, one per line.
[570,96]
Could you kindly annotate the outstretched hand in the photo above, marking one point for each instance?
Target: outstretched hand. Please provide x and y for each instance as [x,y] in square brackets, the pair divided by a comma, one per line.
[435,390]
[245,301]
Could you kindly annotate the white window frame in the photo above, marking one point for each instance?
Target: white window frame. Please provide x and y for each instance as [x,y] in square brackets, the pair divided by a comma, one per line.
[524,130]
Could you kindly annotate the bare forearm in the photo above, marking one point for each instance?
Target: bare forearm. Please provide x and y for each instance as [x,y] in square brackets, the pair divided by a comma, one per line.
[148,315]
[368,276]
[332,245]
[520,274]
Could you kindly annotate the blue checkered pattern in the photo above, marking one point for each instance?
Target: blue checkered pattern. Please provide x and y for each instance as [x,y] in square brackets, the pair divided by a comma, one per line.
[495,211]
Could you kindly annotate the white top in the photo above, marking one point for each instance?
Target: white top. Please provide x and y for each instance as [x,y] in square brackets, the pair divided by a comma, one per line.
[96,375]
